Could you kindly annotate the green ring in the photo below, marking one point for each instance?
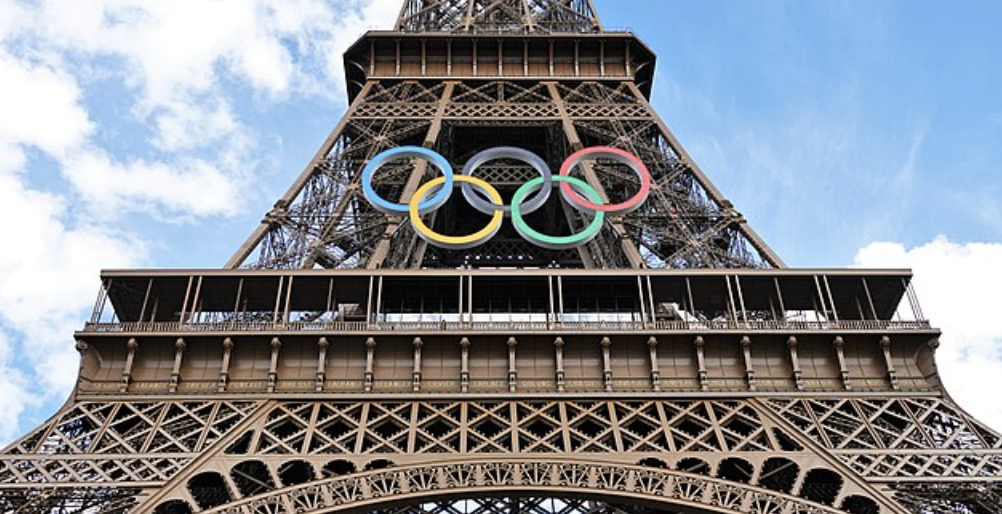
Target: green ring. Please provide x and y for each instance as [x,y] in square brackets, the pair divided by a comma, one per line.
[556,242]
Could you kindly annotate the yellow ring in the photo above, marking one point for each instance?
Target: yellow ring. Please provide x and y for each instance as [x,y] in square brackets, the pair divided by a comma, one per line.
[457,242]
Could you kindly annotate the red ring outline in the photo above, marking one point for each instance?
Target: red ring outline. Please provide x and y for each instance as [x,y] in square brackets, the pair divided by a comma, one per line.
[571,195]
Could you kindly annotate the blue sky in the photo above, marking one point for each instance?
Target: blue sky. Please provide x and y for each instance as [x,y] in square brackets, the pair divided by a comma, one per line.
[156,134]
[832,124]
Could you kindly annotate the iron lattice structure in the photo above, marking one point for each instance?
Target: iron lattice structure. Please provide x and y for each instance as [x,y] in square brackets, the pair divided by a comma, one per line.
[461,76]
[340,364]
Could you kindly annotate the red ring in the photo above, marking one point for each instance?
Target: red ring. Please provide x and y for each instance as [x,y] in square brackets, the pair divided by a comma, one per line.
[629,159]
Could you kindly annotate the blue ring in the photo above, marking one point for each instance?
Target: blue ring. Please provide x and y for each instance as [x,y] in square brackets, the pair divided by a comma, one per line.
[436,160]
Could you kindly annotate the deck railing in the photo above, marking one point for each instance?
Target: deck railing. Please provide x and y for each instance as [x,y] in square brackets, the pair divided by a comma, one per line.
[506,326]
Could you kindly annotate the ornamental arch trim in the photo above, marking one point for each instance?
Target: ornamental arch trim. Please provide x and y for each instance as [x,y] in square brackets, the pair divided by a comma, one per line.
[516,478]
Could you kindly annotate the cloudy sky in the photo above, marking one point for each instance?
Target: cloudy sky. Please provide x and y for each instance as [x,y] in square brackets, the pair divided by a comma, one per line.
[145,133]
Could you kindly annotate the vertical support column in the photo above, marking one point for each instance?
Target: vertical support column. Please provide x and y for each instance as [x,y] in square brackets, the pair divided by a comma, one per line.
[607,363]
[652,346]
[379,300]
[512,370]
[650,297]
[224,370]
[370,350]
[843,369]
[132,346]
[287,307]
[102,298]
[175,374]
[749,369]
[798,375]
[276,345]
[322,346]
[464,372]
[643,302]
[704,384]
[892,374]
[560,299]
[416,377]
[369,318]
[469,299]
[462,309]
[551,316]
[558,345]
[184,305]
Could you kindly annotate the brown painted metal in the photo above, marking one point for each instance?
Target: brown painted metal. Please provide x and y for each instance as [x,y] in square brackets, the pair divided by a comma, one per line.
[338,363]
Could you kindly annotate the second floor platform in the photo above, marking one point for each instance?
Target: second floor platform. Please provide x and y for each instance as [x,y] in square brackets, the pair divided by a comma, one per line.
[505,331]
[419,302]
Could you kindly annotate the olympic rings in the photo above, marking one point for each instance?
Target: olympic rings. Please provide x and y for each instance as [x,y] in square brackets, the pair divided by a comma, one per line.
[485,198]
[380,160]
[556,242]
[507,152]
[457,242]
[607,153]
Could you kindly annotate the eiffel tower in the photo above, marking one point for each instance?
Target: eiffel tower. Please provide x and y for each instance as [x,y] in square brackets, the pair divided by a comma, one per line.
[345,361]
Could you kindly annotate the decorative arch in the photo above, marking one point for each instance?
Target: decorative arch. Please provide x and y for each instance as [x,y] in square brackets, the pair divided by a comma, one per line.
[821,486]
[173,507]
[736,469]
[421,483]
[252,477]
[779,474]
[295,473]
[209,490]
[860,505]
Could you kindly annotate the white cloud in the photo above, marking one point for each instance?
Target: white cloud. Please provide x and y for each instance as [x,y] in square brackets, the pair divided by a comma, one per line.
[958,286]
[179,60]
[46,282]
[12,18]
[180,129]
[181,67]
[185,189]
[40,107]
[175,51]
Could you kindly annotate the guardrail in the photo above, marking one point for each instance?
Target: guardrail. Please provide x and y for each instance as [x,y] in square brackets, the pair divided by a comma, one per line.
[514,326]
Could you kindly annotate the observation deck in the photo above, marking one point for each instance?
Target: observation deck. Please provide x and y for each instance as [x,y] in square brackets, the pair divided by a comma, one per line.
[506,331]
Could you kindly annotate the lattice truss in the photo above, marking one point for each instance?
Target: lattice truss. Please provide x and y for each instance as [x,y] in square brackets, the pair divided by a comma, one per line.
[112,456]
[492,16]
[882,437]
[91,500]
[723,450]
[327,223]
[950,498]
[902,438]
[330,224]
[682,225]
[511,427]
[99,457]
